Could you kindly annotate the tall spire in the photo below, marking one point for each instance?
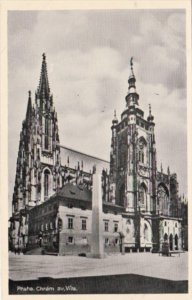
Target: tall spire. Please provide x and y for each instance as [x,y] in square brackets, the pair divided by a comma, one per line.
[43,89]
[132,96]
[29,107]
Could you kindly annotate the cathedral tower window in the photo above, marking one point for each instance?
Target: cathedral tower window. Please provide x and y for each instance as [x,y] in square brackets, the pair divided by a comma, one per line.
[162,198]
[46,134]
[122,195]
[142,150]
[142,194]
[46,183]
[142,157]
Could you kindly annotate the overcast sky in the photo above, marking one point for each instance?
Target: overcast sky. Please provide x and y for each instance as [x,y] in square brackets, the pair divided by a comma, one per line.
[88,54]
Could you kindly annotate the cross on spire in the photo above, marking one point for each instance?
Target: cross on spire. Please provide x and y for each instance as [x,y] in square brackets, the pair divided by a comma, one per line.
[132,96]
[131,63]
[43,89]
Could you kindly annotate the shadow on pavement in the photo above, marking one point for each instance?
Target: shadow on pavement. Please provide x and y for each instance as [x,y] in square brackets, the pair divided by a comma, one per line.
[120,284]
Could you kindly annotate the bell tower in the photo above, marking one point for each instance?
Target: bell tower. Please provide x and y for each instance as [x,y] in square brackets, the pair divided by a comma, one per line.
[133,155]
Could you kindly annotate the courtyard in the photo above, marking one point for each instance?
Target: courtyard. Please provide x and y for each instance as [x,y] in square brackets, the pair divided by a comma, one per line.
[26,268]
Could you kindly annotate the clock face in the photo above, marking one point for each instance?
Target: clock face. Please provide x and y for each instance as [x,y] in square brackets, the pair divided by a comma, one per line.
[143,171]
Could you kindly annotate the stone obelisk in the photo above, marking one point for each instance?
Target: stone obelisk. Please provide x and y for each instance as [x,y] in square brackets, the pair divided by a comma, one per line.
[97,243]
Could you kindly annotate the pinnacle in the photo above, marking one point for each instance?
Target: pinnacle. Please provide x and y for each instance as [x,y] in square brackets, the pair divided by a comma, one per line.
[43,88]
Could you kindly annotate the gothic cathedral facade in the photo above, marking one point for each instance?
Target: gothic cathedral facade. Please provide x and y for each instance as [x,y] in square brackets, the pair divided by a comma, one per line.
[51,205]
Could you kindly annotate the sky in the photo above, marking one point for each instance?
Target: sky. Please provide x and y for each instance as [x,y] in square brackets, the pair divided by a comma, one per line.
[88,54]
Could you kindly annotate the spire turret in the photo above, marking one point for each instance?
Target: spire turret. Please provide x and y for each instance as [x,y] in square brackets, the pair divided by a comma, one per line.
[115,120]
[150,117]
[43,89]
[132,96]
[29,107]
[168,171]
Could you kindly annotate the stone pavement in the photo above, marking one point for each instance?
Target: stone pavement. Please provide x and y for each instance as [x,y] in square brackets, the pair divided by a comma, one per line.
[28,267]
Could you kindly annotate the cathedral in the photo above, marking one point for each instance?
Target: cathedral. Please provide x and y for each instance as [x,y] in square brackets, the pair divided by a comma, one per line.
[52,197]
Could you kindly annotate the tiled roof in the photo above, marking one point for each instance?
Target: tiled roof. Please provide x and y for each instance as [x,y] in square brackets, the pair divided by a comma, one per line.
[72,191]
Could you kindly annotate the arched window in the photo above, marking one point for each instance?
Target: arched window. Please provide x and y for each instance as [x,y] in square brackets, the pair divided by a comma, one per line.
[162,198]
[142,149]
[46,134]
[122,195]
[46,183]
[142,194]
[176,242]
[142,157]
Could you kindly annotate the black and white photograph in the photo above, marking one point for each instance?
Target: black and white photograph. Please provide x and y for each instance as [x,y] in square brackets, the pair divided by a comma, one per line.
[97,151]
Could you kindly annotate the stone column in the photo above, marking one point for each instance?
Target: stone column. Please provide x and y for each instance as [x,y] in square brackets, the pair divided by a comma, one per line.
[97,244]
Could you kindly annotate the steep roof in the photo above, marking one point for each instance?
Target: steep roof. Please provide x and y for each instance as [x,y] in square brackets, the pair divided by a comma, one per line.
[75,192]
[73,157]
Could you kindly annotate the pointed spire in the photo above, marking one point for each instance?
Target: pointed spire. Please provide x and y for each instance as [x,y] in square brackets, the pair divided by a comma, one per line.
[131,64]
[132,76]
[29,106]
[150,109]
[161,168]
[132,96]
[43,89]
[150,117]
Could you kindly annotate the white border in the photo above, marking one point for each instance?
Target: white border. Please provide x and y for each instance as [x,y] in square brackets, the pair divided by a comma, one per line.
[80,5]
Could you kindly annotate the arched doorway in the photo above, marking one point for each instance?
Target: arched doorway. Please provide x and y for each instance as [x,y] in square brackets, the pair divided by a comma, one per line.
[165,237]
[171,242]
[176,242]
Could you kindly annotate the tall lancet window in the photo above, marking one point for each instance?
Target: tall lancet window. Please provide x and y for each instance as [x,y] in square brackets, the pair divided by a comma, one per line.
[46,183]
[46,134]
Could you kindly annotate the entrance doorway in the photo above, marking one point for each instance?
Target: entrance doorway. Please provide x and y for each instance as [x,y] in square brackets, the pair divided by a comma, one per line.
[171,242]
[176,242]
